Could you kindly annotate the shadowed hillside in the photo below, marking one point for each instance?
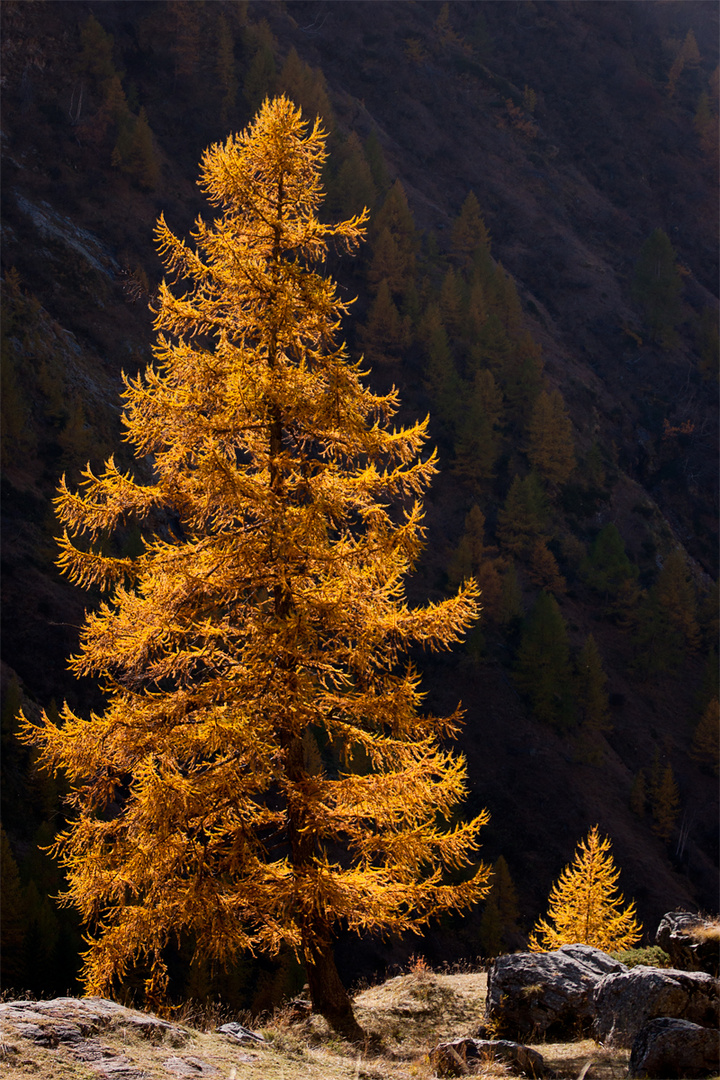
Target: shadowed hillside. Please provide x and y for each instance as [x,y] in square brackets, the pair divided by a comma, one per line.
[560,328]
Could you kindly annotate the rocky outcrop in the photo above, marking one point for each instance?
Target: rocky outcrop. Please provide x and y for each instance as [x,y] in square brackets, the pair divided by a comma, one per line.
[84,1028]
[668,1047]
[533,994]
[72,1020]
[690,941]
[624,1001]
[465,1057]
[111,1042]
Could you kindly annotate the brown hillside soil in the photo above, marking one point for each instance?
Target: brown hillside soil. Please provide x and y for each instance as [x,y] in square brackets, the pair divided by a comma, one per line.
[404,1019]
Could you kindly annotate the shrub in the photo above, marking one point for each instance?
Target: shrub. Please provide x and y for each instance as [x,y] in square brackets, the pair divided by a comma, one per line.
[650,956]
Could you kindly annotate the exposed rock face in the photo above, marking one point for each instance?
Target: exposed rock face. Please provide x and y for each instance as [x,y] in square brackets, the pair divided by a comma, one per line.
[668,1047]
[531,994]
[71,1020]
[675,936]
[463,1057]
[625,1001]
[76,1023]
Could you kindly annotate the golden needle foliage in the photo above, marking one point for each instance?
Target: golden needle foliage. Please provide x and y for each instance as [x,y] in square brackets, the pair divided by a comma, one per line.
[268,605]
[584,905]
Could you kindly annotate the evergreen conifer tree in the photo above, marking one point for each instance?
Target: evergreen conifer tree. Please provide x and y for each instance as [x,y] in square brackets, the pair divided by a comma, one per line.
[469,232]
[394,241]
[506,300]
[353,187]
[452,303]
[550,441]
[521,378]
[657,285]
[543,670]
[659,637]
[543,568]
[492,347]
[376,160]
[260,72]
[385,334]
[499,919]
[523,517]
[677,597]
[474,534]
[134,151]
[490,581]
[389,264]
[592,470]
[584,905]
[608,565]
[268,602]
[706,740]
[511,604]
[476,313]
[490,930]
[96,57]
[441,378]
[665,803]
[591,683]
[469,561]
[75,438]
[306,86]
[478,439]
[186,44]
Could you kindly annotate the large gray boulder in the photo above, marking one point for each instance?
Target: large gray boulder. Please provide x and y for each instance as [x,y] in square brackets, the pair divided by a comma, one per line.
[623,1002]
[668,1047]
[690,941]
[532,994]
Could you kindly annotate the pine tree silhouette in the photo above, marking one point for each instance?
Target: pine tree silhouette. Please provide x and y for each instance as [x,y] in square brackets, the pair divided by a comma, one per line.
[550,441]
[657,286]
[543,670]
[665,803]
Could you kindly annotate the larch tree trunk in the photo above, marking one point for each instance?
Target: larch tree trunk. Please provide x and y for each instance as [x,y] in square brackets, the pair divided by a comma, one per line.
[329,996]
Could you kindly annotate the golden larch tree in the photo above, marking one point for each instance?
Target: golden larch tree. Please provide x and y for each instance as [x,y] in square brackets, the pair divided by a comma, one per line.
[265,618]
[584,905]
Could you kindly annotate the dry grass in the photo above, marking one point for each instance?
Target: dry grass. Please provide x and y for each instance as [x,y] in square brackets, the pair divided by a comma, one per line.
[584,1058]
[709,932]
[404,1018]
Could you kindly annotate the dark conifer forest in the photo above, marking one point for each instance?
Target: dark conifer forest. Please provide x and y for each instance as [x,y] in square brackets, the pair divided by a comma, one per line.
[539,276]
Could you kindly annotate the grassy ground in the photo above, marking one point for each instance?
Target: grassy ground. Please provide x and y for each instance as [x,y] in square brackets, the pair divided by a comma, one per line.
[404,1019]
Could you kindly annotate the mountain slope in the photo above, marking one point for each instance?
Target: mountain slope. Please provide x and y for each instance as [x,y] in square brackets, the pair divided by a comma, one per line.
[558,116]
